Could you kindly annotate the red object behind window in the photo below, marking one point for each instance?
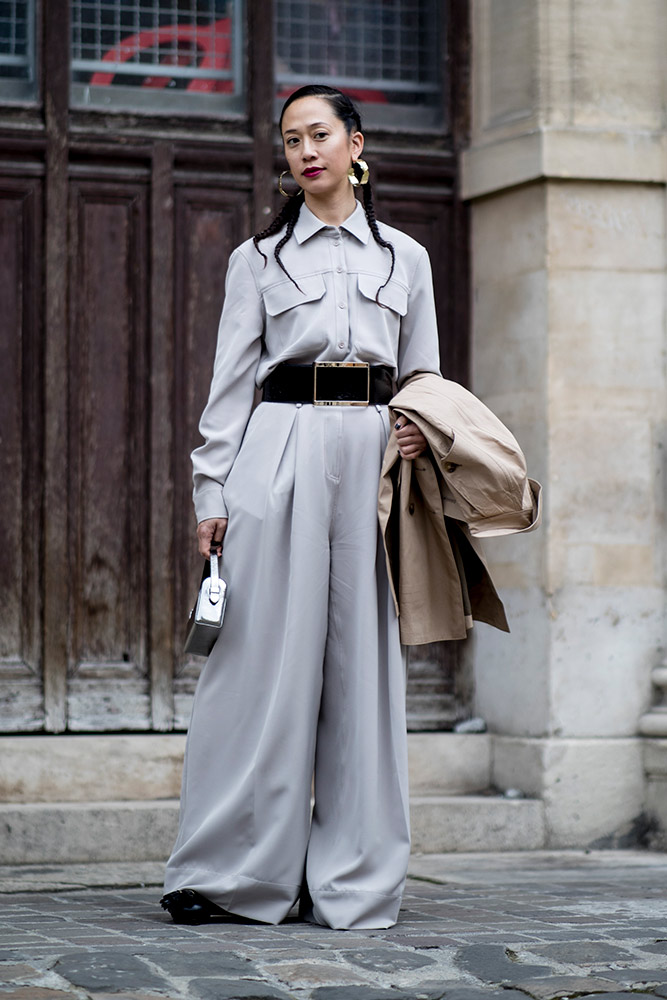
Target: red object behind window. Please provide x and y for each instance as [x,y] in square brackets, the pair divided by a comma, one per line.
[212,46]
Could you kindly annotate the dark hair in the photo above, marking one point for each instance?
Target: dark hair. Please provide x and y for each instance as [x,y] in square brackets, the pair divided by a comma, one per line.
[346,112]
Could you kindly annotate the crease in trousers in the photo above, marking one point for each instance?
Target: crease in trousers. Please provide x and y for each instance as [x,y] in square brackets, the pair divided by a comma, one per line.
[306,680]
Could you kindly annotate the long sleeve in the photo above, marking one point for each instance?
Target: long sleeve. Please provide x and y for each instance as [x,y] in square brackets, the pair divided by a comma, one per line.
[418,345]
[230,400]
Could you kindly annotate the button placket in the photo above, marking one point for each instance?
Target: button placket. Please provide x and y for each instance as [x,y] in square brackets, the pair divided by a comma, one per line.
[340,290]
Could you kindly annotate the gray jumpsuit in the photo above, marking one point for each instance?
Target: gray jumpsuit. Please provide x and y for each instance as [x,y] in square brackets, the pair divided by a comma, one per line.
[307,678]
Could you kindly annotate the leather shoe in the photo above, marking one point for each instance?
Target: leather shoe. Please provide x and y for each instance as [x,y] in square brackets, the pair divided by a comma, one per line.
[189,907]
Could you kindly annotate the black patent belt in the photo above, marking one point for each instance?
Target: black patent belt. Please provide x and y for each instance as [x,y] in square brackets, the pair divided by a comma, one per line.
[329,383]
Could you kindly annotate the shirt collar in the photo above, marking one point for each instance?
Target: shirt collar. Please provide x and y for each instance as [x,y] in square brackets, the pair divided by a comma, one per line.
[308,224]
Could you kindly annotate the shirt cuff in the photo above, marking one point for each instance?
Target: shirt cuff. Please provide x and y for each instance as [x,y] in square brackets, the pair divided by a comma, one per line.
[210,503]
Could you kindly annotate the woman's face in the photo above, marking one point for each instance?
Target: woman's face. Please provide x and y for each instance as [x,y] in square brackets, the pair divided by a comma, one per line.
[318,149]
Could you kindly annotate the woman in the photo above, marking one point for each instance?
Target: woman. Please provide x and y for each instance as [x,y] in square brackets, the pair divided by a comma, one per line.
[307,678]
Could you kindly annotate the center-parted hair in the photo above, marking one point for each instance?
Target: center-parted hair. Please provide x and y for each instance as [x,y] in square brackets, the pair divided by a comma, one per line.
[346,112]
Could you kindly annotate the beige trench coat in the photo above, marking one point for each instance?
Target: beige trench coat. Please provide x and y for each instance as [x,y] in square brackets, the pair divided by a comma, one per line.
[471,482]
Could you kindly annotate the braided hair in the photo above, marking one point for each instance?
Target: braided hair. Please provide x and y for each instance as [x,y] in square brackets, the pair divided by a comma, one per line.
[346,112]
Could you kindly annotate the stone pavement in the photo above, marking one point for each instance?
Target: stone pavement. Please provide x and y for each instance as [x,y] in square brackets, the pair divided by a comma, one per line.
[514,926]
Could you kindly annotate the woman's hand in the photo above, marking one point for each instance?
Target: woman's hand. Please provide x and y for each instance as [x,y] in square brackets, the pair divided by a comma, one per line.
[411,441]
[211,532]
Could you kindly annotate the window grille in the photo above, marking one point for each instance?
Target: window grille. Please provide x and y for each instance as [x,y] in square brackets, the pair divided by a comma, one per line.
[381,52]
[142,47]
[17,50]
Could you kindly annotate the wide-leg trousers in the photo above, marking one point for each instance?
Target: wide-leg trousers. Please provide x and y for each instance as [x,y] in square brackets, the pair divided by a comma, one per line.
[306,682]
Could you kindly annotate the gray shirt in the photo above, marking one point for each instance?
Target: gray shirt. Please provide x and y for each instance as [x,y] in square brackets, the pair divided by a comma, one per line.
[332,316]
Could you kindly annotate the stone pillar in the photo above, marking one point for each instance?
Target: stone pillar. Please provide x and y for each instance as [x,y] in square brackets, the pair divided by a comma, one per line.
[566,175]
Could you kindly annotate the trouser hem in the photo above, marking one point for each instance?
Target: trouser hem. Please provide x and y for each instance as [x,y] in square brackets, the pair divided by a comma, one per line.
[353,909]
[240,895]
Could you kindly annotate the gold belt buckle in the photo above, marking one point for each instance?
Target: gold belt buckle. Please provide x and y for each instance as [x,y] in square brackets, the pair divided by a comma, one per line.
[319,385]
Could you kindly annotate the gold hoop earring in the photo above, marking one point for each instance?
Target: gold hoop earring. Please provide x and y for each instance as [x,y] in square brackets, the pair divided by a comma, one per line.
[280,185]
[352,175]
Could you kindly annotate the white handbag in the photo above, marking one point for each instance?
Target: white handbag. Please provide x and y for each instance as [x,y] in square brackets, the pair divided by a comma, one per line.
[207,615]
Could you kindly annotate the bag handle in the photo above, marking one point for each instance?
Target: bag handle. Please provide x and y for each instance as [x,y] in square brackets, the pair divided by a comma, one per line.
[215,588]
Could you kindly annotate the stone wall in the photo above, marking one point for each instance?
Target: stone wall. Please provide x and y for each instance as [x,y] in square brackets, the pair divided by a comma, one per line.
[566,177]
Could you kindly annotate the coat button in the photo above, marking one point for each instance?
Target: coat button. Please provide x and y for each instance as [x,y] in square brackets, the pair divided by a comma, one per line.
[451,466]
[411,508]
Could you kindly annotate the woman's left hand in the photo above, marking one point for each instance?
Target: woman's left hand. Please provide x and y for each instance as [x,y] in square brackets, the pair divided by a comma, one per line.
[411,441]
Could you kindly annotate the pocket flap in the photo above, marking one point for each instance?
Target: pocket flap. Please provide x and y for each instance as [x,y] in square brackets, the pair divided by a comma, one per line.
[280,298]
[393,295]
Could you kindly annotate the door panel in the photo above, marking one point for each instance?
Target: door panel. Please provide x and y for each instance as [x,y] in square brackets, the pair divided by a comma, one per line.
[21,695]
[108,474]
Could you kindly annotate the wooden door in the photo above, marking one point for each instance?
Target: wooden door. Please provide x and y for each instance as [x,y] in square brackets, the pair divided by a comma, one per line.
[115,230]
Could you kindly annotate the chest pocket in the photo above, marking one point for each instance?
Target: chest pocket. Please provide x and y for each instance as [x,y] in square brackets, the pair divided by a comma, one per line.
[279,298]
[393,295]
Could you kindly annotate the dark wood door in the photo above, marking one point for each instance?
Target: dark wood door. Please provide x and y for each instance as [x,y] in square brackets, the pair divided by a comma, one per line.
[115,231]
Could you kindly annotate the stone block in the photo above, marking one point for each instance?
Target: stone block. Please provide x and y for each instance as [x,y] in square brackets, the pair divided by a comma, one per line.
[602,492]
[593,791]
[505,66]
[75,831]
[383,960]
[602,650]
[449,763]
[566,986]
[630,154]
[182,964]
[624,565]
[508,234]
[301,974]
[492,964]
[606,331]
[111,970]
[616,59]
[475,823]
[500,162]
[90,768]
[509,316]
[605,227]
[583,954]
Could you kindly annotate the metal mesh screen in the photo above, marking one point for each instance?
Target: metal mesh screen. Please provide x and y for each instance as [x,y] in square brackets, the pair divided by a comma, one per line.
[16,39]
[385,50]
[177,44]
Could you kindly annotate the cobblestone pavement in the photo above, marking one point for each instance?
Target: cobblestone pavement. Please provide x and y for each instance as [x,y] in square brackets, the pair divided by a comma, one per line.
[513,926]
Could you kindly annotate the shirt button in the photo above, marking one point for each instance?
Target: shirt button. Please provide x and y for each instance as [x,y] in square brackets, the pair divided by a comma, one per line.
[339,269]
[341,305]
[336,243]
[341,345]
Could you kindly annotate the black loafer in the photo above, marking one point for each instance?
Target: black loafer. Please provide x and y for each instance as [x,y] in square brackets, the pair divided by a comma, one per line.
[189,907]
